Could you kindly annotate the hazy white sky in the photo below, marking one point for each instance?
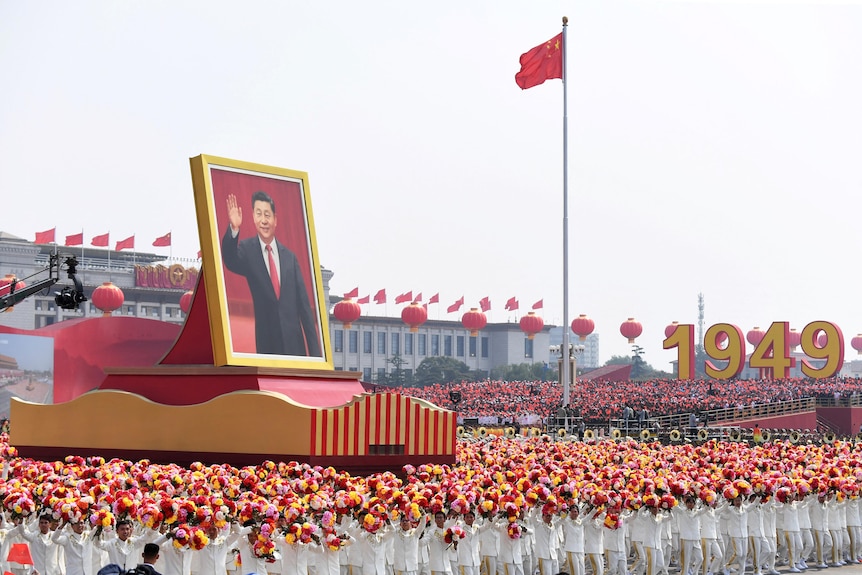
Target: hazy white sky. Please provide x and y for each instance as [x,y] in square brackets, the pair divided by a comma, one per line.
[713,146]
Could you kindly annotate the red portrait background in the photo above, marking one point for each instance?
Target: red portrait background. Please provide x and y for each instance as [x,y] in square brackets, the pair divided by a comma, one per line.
[291,230]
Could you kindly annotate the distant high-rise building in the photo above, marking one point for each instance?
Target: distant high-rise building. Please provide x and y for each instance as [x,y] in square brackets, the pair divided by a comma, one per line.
[587,359]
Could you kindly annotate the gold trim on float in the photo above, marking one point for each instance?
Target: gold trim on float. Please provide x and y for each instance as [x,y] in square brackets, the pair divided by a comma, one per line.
[238,422]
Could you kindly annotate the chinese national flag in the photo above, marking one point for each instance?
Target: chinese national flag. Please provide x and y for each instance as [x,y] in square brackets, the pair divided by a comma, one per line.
[380,297]
[128,243]
[352,293]
[539,304]
[46,237]
[543,62]
[511,304]
[455,306]
[199,254]
[75,239]
[365,299]
[434,298]
[485,303]
[418,298]
[163,241]
[405,297]
[100,241]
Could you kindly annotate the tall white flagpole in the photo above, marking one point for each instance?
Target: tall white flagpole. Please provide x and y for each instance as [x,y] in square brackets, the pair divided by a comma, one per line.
[564,351]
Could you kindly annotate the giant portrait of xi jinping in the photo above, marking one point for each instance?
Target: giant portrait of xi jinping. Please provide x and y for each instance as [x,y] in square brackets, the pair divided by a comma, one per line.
[257,228]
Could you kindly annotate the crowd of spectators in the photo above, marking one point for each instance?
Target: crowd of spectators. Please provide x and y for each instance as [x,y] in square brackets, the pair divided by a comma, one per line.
[518,401]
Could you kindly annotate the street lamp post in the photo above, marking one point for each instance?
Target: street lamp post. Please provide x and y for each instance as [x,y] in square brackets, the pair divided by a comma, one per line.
[567,377]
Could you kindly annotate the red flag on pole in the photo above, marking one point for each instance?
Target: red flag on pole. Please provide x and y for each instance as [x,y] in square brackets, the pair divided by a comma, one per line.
[434,298]
[455,306]
[511,304]
[20,553]
[163,241]
[380,297]
[418,298]
[199,254]
[543,62]
[485,303]
[128,243]
[100,241]
[539,304]
[405,297]
[75,239]
[365,299]
[46,237]
[352,293]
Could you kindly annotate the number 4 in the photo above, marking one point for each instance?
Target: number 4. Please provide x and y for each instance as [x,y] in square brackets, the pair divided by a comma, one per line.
[772,354]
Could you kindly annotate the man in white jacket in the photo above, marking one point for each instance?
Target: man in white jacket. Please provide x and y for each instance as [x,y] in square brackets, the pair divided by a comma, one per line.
[121,546]
[45,553]
[573,541]
[547,542]
[688,522]
[211,559]
[405,559]
[77,547]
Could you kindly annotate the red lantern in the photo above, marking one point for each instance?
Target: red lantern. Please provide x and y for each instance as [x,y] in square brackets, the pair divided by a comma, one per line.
[755,336]
[414,315]
[822,340]
[582,326]
[720,339]
[668,331]
[347,311]
[7,281]
[5,288]
[186,301]
[531,324]
[856,343]
[474,320]
[794,338]
[107,297]
[631,329]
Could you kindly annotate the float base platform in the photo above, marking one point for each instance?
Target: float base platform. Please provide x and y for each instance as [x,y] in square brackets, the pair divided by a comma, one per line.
[369,433]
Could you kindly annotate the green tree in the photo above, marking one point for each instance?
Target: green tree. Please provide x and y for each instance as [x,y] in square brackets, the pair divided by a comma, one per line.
[440,370]
[476,375]
[397,375]
[619,360]
[522,372]
[382,378]
[641,370]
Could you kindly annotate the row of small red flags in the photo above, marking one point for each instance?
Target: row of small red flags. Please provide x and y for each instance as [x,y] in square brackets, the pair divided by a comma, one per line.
[484,303]
[102,241]
[49,237]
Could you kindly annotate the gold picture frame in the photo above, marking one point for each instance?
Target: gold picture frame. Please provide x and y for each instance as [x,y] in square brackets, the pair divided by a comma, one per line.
[257,318]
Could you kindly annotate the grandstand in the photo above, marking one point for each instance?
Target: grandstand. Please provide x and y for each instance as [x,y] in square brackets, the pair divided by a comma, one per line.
[823,406]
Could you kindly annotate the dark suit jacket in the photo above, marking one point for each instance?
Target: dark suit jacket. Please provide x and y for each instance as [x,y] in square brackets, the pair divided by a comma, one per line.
[281,326]
[145,569]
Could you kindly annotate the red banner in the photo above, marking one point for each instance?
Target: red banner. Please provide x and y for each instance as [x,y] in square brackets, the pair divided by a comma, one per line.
[170,277]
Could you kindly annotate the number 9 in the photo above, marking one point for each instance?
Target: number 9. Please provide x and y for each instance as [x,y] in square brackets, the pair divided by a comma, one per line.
[733,353]
[832,352]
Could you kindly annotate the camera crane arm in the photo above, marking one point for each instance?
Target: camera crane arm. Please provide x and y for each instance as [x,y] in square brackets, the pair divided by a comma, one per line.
[15,297]
[67,298]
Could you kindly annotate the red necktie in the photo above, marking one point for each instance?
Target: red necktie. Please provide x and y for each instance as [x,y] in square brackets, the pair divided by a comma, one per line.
[273,273]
